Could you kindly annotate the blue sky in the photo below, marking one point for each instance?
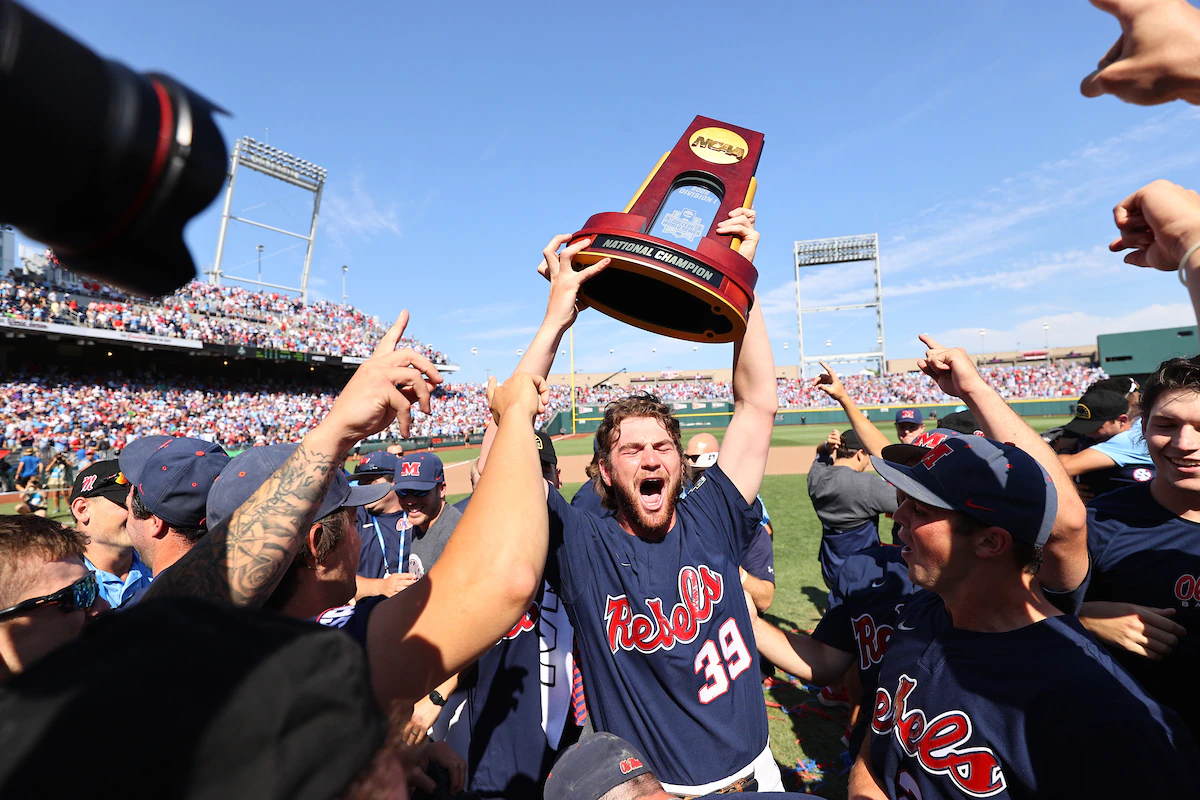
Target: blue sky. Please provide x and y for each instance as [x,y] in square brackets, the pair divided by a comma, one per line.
[460,137]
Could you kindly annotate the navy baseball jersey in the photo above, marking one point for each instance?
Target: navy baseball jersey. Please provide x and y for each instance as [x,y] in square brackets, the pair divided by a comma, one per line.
[1142,553]
[586,499]
[871,589]
[352,620]
[510,752]
[664,635]
[386,540]
[1040,711]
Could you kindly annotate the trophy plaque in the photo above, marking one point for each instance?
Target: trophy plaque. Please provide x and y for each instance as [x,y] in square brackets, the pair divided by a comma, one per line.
[671,272]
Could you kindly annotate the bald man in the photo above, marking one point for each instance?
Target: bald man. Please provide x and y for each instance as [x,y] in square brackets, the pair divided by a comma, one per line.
[758,562]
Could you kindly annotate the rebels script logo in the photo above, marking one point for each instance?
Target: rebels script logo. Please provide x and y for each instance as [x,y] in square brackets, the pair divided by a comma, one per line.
[1187,589]
[937,744]
[525,623]
[872,639]
[700,589]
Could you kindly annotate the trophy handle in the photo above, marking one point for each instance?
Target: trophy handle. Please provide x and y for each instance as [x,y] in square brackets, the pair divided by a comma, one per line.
[736,244]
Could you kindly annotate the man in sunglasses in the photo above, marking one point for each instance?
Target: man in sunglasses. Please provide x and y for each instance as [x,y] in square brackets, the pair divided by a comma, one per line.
[421,486]
[47,594]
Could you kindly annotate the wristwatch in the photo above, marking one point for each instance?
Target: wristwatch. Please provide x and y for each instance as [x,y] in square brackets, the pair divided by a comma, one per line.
[436,698]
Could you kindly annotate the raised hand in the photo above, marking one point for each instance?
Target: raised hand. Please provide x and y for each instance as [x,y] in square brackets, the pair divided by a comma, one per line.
[1157,57]
[741,225]
[1161,221]
[950,367]
[383,388]
[831,384]
[521,394]
[565,303]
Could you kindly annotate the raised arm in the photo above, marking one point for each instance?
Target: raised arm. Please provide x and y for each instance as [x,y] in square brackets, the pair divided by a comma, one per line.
[244,562]
[744,449]
[562,308]
[871,437]
[1065,557]
[489,572]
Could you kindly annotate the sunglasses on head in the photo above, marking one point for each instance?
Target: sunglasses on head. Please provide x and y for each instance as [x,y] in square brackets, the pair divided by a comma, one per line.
[413,492]
[80,594]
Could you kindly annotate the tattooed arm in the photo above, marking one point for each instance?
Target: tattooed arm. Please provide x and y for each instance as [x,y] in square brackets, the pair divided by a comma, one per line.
[244,562]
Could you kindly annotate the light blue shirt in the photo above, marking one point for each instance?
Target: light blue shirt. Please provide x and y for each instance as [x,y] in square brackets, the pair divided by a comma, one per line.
[117,591]
[1127,447]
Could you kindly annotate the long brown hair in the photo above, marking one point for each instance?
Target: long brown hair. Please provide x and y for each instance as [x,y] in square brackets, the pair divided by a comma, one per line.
[642,404]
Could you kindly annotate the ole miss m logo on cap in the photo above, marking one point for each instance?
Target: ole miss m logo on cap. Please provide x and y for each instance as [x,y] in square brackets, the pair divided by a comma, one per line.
[411,469]
[907,414]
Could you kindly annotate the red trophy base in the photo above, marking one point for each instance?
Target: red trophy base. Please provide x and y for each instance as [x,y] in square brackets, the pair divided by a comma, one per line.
[701,295]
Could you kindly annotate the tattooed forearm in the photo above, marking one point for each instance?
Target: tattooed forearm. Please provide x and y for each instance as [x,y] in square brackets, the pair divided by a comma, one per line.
[244,562]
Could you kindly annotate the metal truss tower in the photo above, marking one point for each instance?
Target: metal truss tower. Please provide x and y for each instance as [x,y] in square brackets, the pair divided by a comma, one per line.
[274,163]
[840,250]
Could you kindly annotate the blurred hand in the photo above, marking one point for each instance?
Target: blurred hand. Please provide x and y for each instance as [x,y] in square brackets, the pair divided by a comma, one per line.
[1148,632]
[417,759]
[522,394]
[831,384]
[397,582]
[424,714]
[741,225]
[951,368]
[833,441]
[383,389]
[565,303]
[1160,221]
[1157,57]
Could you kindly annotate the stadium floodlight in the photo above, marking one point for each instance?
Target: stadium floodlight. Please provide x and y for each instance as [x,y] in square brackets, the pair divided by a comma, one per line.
[840,250]
[282,166]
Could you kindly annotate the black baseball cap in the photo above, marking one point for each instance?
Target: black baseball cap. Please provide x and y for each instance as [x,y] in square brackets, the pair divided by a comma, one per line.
[851,442]
[1095,408]
[545,446]
[102,479]
[963,422]
[594,766]
[247,704]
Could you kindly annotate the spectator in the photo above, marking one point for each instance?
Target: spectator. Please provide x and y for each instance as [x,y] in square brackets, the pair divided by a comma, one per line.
[384,530]
[30,466]
[98,504]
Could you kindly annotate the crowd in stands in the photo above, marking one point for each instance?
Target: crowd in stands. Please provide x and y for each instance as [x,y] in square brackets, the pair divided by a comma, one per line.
[205,312]
[64,413]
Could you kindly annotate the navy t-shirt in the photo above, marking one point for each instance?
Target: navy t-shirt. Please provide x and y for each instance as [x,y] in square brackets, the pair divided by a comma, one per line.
[871,589]
[1142,553]
[396,534]
[665,639]
[759,560]
[1041,711]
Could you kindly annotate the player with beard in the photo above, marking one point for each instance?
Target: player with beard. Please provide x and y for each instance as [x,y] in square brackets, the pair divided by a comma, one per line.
[653,590]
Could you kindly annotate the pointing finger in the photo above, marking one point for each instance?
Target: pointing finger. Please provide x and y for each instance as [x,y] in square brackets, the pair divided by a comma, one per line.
[390,339]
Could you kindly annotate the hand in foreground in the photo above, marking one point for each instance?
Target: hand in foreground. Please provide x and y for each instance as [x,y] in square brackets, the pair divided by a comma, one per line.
[522,394]
[383,388]
[417,759]
[741,225]
[425,713]
[831,384]
[565,303]
[833,441]
[1148,632]
[951,368]
[397,582]
[1157,57]
[1160,221]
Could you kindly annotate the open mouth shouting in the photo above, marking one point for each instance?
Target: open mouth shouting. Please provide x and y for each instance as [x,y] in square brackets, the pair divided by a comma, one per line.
[652,494]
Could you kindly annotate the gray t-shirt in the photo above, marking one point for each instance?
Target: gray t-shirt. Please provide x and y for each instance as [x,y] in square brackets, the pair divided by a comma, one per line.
[427,547]
[846,499]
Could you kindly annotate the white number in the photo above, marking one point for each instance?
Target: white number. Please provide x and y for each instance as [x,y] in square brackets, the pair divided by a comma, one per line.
[737,657]
[715,682]
[734,649]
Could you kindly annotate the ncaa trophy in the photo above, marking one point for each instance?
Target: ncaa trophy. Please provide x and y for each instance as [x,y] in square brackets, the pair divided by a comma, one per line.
[671,273]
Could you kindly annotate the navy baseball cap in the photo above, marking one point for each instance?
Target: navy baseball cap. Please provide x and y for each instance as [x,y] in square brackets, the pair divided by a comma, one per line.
[421,471]
[903,453]
[593,767]
[993,482]
[243,476]
[173,475]
[912,415]
[381,462]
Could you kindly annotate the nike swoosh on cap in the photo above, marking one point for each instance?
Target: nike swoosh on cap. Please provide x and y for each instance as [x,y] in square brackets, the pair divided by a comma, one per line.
[972,504]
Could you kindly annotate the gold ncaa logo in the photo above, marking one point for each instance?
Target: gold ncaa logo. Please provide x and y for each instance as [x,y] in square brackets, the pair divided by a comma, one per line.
[719,146]
[1082,411]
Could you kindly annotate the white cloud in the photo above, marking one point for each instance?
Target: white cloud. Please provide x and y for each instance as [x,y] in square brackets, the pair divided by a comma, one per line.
[358,214]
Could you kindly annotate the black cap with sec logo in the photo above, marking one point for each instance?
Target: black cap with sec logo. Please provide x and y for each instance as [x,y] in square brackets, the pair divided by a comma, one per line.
[1095,408]
[545,446]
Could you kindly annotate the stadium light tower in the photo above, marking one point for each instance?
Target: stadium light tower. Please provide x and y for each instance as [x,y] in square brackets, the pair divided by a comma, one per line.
[841,250]
[274,163]
[345,269]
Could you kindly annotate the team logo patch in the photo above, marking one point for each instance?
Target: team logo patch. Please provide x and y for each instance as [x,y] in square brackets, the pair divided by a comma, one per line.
[336,617]
[872,639]
[88,484]
[700,590]
[1187,589]
[908,414]
[1082,411]
[937,744]
[629,765]
[411,469]
[1141,475]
